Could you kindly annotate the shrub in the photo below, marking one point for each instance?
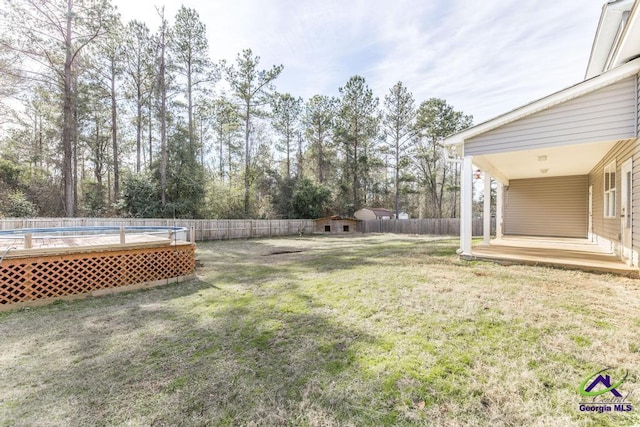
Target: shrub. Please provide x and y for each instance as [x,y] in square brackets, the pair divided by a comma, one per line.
[18,206]
[140,197]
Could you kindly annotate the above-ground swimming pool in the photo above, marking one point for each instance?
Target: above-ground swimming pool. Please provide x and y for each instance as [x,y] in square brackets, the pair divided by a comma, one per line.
[40,264]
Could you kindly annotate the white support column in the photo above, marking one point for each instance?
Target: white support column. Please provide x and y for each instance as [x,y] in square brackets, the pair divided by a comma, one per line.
[486,216]
[466,199]
[499,209]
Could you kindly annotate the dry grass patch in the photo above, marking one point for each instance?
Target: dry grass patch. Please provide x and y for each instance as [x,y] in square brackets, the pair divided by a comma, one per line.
[317,331]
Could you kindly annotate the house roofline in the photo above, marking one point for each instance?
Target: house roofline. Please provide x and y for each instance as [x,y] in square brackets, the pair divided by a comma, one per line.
[607,37]
[605,79]
[628,36]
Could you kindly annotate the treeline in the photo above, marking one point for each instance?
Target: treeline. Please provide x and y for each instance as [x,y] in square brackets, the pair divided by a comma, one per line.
[104,118]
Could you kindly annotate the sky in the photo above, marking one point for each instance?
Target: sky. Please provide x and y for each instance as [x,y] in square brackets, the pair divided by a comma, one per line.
[484,58]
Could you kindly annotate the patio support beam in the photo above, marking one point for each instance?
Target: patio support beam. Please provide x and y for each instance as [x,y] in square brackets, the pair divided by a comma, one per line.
[466,199]
[486,216]
[499,209]
[483,163]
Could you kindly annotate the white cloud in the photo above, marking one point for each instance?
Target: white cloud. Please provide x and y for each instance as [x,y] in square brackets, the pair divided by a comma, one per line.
[484,57]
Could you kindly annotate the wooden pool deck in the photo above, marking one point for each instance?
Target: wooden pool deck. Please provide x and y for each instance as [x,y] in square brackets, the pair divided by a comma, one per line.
[75,267]
[577,254]
[14,247]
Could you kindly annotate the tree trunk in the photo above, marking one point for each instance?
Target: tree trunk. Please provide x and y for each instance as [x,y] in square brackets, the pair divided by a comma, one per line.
[40,144]
[201,143]
[150,133]
[76,182]
[221,162]
[67,112]
[190,112]
[114,136]
[320,156]
[97,170]
[355,178]
[288,141]
[300,170]
[163,120]
[441,190]
[34,148]
[229,159]
[108,184]
[397,177]
[319,165]
[355,171]
[138,130]
[454,210]
[247,160]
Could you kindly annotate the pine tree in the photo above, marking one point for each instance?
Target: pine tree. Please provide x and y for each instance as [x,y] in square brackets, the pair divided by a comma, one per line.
[138,54]
[252,89]
[398,130]
[190,52]
[319,124]
[435,120]
[286,112]
[50,35]
[357,128]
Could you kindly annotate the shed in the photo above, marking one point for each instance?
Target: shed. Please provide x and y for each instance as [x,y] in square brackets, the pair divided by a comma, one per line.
[335,224]
[373,213]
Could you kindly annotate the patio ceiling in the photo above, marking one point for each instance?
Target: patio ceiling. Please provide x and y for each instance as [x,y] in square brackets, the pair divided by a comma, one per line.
[569,160]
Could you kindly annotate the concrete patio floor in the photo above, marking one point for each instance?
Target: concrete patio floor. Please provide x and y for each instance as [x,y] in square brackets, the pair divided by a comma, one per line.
[577,254]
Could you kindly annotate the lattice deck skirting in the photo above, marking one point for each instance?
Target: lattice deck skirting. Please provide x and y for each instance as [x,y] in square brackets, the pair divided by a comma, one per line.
[24,280]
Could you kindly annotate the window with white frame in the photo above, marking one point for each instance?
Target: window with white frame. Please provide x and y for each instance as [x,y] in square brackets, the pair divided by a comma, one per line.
[610,190]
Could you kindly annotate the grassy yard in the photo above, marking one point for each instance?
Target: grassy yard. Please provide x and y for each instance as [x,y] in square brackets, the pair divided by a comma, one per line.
[320,331]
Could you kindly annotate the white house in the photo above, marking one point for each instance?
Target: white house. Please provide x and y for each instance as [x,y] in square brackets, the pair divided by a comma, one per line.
[568,165]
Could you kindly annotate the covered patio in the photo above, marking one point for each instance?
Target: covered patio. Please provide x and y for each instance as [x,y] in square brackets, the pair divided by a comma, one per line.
[559,178]
[567,253]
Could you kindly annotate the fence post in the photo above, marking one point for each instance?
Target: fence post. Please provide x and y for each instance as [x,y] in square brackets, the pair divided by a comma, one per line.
[122,238]
[28,243]
[192,234]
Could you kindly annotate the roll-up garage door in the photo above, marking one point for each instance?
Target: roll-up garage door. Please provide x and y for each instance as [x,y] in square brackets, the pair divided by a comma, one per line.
[555,206]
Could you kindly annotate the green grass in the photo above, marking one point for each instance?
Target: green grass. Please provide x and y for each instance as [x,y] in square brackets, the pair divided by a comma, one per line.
[363,331]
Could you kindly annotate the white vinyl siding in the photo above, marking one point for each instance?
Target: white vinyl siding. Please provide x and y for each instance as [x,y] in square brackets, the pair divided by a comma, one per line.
[635,205]
[604,115]
[555,206]
[609,228]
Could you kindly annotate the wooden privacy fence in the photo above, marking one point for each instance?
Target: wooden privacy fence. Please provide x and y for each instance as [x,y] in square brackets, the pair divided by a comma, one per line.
[438,227]
[205,229]
[225,229]
[29,279]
